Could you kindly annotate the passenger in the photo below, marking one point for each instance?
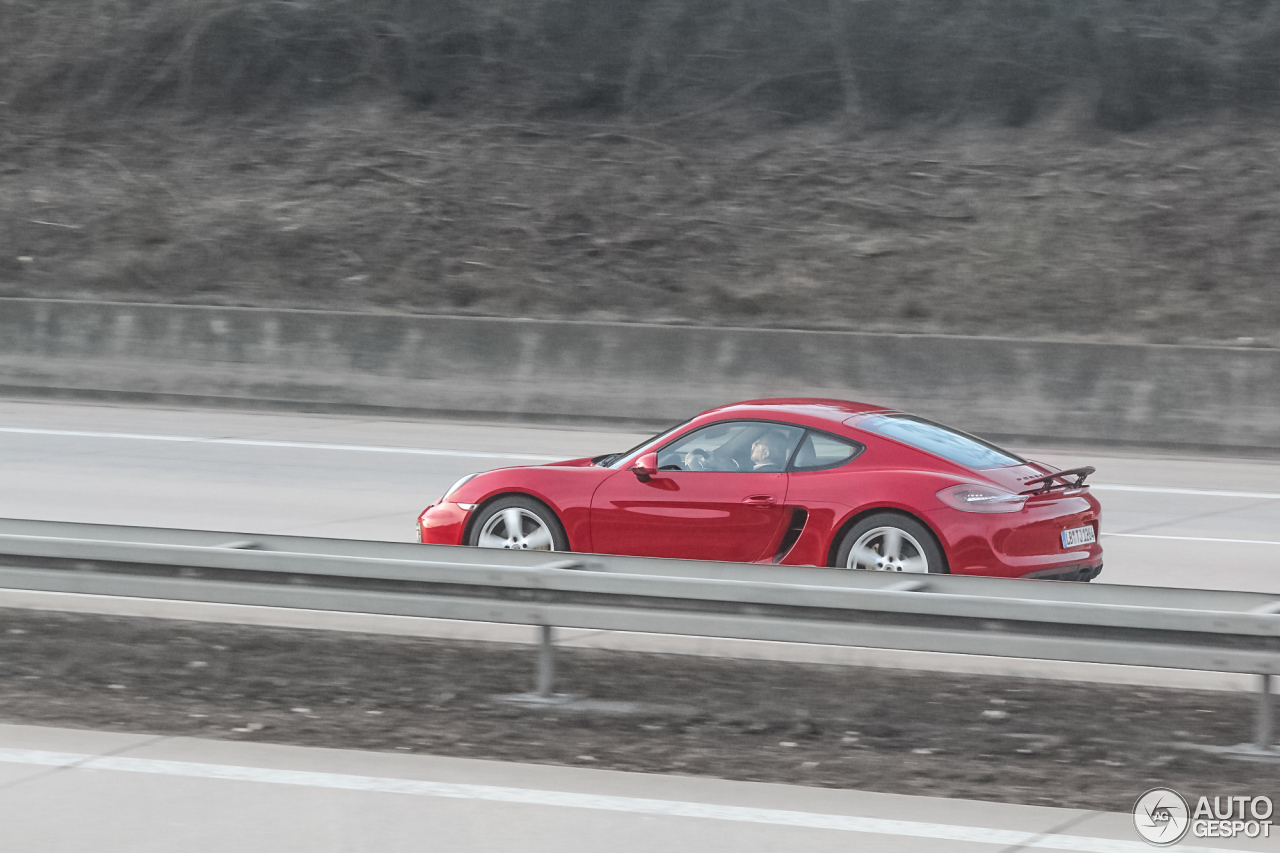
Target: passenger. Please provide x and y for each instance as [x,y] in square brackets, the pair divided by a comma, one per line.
[769,451]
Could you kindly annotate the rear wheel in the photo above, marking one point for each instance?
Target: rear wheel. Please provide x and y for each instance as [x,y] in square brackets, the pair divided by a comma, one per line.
[518,523]
[888,542]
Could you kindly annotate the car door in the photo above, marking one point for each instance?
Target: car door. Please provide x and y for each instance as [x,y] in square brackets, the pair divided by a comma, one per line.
[709,499]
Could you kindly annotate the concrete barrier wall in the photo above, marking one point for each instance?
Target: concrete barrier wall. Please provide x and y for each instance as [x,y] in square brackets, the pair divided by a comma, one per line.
[1220,397]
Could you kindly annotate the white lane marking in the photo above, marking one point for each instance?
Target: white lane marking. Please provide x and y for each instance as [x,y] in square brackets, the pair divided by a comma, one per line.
[304,445]
[474,454]
[1207,493]
[567,799]
[1194,539]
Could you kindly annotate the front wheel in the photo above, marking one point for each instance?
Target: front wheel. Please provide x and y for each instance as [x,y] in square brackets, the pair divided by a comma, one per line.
[888,542]
[518,523]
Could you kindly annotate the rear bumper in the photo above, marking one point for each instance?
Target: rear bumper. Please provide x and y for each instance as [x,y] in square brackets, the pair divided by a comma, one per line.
[1083,572]
[1026,544]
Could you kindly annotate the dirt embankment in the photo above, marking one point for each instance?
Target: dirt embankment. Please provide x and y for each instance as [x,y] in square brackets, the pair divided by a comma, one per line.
[1073,168]
[1169,235]
[1077,168]
[1009,740]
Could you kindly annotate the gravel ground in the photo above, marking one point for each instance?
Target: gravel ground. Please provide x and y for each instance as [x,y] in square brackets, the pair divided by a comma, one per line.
[1001,739]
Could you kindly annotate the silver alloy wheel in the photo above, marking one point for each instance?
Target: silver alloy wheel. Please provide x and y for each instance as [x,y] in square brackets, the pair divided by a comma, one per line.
[516,529]
[888,549]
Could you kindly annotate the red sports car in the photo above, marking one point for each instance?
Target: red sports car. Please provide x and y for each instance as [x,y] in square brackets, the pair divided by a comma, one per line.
[796,482]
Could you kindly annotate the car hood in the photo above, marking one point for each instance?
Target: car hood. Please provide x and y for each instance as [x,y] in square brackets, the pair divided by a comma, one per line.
[584,462]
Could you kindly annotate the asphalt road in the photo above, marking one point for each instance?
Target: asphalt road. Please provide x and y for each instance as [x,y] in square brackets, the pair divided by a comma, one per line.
[1170,520]
[67,790]
[1197,522]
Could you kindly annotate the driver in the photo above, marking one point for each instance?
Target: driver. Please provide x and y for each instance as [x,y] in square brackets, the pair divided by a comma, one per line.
[769,451]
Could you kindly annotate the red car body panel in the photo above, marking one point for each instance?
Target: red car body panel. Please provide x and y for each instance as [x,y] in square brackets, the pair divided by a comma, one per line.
[671,514]
[747,516]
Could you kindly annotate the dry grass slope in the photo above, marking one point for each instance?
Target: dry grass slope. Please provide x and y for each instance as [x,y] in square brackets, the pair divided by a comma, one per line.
[1017,167]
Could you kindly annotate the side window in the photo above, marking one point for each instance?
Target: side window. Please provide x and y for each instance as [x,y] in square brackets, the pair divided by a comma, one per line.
[732,446]
[819,451]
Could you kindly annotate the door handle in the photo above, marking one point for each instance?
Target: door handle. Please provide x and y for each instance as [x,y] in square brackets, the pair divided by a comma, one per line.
[760,500]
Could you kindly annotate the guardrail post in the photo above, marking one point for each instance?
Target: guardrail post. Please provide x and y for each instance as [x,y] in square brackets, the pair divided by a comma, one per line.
[1266,714]
[546,662]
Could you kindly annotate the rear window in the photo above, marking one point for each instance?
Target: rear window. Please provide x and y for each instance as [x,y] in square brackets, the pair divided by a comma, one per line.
[950,444]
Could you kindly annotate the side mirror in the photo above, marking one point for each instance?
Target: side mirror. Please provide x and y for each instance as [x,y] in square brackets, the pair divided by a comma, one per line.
[645,467]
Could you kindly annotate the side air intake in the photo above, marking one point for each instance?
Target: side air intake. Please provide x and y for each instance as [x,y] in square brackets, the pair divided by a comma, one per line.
[794,529]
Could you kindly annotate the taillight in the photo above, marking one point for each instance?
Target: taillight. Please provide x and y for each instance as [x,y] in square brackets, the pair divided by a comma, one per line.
[970,498]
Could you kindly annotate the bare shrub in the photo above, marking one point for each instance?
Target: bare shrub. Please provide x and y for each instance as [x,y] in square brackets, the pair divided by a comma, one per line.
[802,59]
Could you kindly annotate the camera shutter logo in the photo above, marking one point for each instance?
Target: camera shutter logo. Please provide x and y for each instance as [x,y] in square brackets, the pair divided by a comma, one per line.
[1161,816]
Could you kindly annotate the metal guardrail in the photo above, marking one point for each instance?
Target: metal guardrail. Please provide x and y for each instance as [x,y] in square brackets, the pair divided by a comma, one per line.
[1138,626]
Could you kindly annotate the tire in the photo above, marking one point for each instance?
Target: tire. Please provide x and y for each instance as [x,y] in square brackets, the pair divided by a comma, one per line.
[539,529]
[917,550]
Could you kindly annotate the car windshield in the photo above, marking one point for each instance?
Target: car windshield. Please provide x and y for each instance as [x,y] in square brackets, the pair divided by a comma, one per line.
[611,459]
[952,445]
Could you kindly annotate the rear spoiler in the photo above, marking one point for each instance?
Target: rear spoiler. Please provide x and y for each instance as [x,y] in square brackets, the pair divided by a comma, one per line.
[1048,481]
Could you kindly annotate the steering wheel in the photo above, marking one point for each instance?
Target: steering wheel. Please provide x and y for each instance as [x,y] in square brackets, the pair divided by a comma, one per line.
[697,460]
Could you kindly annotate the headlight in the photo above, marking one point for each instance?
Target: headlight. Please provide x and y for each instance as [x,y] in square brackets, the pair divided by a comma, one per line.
[459,485]
[970,498]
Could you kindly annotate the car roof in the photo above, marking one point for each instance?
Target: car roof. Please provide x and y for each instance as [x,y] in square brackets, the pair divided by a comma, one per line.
[814,411]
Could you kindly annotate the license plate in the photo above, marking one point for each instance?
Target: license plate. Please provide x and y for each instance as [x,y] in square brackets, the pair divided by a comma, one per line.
[1077,536]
